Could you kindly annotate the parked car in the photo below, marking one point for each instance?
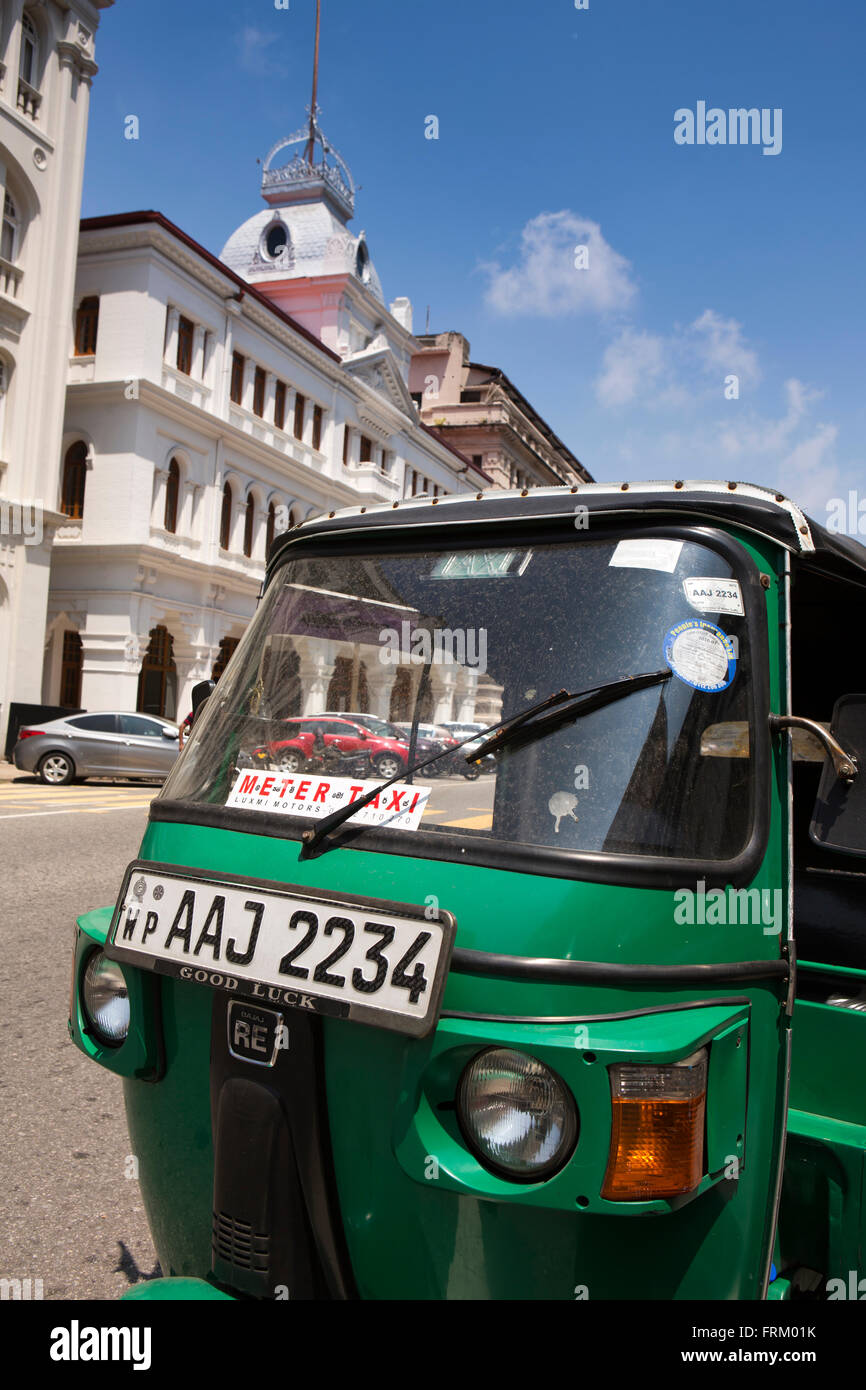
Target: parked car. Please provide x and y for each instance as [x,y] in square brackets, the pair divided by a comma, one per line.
[106,744]
[386,756]
[458,731]
[426,745]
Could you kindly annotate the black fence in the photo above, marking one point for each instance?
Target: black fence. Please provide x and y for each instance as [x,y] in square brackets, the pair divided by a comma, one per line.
[21,715]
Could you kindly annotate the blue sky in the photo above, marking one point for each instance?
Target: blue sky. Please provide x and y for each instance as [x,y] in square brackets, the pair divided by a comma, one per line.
[556,129]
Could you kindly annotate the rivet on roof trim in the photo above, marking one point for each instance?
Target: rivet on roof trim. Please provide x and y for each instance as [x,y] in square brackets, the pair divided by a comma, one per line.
[525,492]
[433,501]
[478,496]
[330,514]
[363,509]
[732,487]
[574,489]
[395,504]
[679,484]
[623,487]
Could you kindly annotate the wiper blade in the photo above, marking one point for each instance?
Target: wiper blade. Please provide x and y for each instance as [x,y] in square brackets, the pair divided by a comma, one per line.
[592,698]
[584,702]
[312,838]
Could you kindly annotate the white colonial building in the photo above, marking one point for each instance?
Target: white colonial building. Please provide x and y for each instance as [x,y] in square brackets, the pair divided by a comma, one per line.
[46,68]
[212,402]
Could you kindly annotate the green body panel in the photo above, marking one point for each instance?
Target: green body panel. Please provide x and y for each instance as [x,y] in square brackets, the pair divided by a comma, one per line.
[410,1237]
[422,1218]
[174,1290]
[822,1223]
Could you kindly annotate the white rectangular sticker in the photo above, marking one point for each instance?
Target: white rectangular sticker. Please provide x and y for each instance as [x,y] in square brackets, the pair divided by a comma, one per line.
[647,554]
[714,595]
[400,807]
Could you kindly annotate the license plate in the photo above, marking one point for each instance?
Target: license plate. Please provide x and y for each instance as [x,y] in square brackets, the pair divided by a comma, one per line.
[330,954]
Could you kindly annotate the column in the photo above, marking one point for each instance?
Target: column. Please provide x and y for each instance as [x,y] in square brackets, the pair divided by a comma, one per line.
[236,530]
[315,676]
[465,696]
[207,368]
[442,683]
[270,396]
[249,376]
[198,337]
[171,338]
[380,683]
[157,511]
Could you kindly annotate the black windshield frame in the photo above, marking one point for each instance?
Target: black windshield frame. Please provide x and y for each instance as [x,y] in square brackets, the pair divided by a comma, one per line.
[628,870]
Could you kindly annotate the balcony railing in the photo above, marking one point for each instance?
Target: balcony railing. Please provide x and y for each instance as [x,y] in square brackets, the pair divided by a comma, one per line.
[10,278]
[29,99]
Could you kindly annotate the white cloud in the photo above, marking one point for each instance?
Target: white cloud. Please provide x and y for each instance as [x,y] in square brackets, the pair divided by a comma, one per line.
[547,283]
[686,365]
[252,49]
[792,452]
[631,367]
[754,434]
[720,347]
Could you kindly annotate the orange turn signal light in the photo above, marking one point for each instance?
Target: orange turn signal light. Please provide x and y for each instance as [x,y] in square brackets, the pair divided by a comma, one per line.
[657,1133]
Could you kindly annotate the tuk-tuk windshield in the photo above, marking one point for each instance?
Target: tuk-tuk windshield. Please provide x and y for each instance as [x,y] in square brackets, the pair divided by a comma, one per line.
[463,638]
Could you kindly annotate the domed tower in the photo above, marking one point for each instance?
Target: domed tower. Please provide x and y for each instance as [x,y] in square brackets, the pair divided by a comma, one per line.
[300,252]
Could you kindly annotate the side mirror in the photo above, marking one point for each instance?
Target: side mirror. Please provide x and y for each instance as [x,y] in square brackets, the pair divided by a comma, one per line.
[170,733]
[201,692]
[839,817]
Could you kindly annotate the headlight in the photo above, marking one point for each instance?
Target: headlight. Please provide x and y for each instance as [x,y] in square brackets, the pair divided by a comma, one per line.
[105,999]
[516,1114]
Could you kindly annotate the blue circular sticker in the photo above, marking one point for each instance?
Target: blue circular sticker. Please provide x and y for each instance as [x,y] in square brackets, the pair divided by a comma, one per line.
[701,655]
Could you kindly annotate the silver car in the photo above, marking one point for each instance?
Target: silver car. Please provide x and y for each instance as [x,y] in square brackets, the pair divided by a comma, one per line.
[97,745]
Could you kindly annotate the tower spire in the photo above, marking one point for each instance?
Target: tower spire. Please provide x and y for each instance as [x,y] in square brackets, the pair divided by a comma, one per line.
[315,85]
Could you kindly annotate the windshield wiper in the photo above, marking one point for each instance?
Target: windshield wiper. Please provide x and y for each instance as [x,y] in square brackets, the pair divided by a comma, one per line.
[584,702]
[572,705]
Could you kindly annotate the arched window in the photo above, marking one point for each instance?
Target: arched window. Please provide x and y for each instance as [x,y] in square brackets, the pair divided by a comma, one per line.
[157,682]
[10,237]
[227,646]
[249,523]
[74,476]
[277,239]
[226,518]
[348,689]
[86,323]
[28,69]
[271,527]
[172,492]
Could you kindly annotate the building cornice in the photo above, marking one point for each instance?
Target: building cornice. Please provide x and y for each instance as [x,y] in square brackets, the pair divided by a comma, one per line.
[71,55]
[175,238]
[153,557]
[193,417]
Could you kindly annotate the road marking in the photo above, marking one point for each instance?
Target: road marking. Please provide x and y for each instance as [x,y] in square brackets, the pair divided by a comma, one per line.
[73,811]
[473,822]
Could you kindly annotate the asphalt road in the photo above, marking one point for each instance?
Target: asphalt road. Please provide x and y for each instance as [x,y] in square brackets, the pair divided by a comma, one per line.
[68,1214]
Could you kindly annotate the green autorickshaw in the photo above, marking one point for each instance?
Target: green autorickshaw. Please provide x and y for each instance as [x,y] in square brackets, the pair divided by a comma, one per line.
[538,1035]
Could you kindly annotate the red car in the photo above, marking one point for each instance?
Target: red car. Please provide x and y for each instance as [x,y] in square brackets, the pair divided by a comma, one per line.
[386,756]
